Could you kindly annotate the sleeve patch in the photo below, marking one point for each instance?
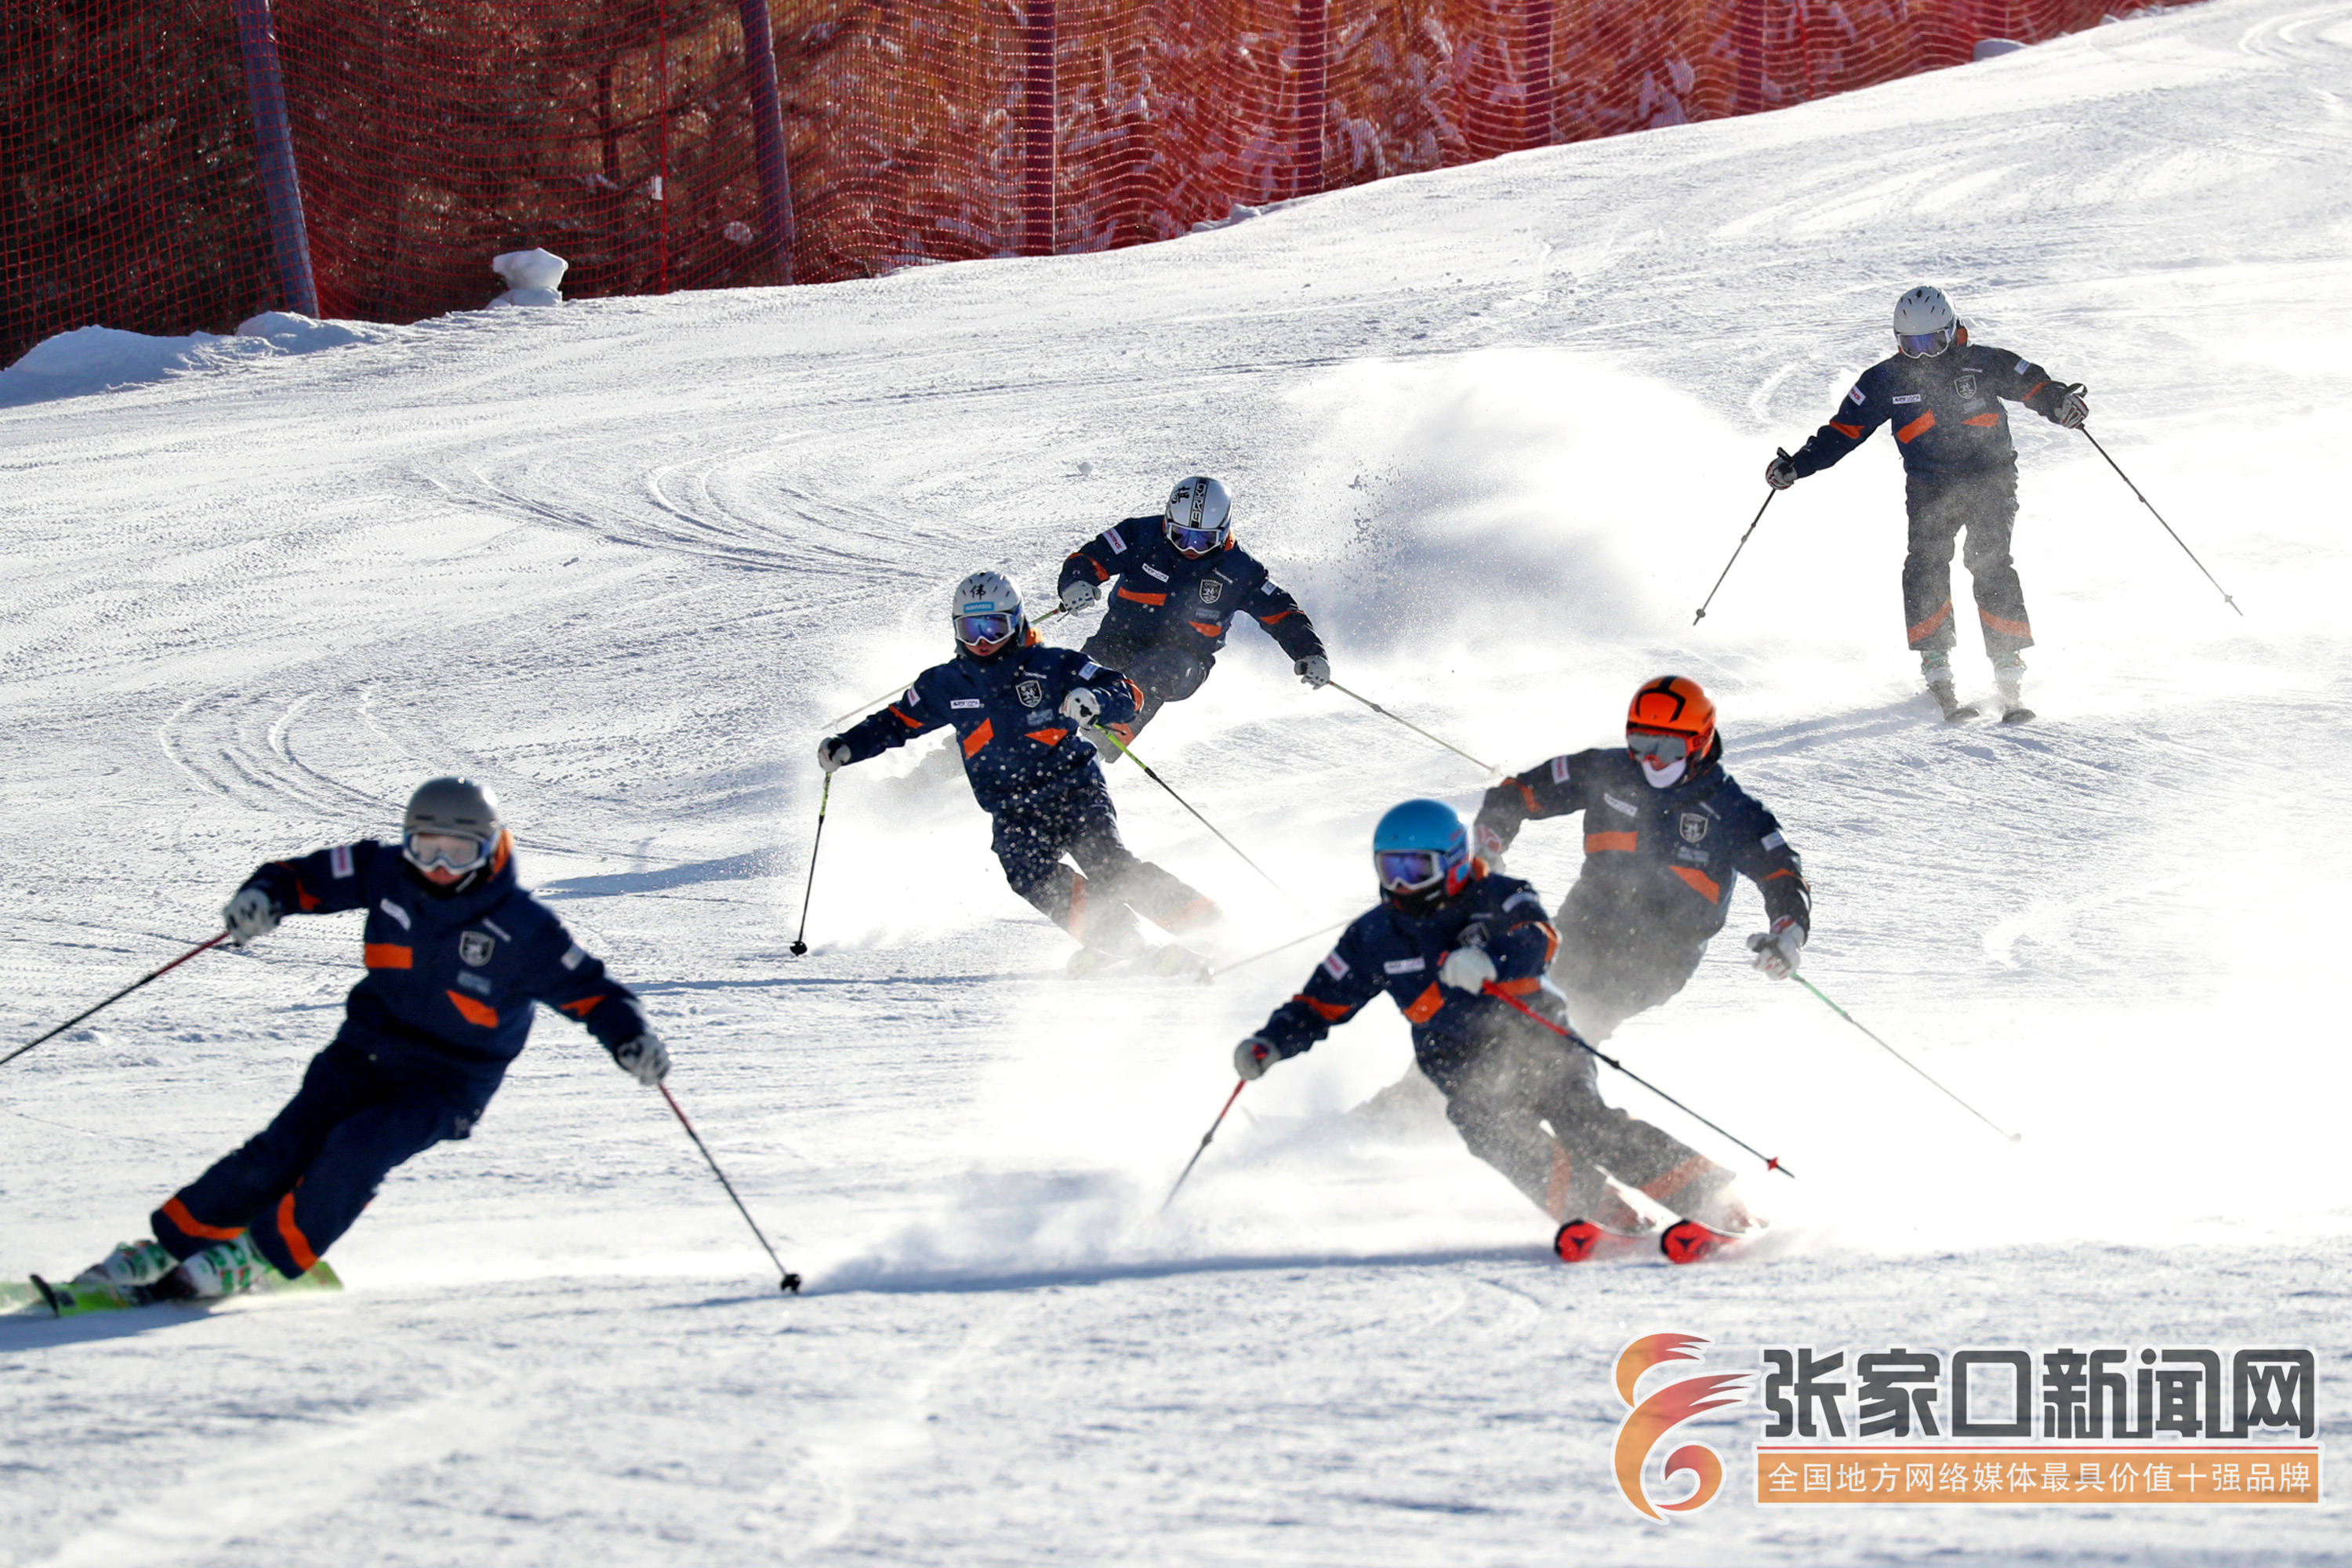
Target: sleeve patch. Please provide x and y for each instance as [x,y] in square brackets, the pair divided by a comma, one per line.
[338,861]
[1088,670]
[1117,540]
[1336,966]
[1773,840]
[1560,770]
[2023,366]
[1854,397]
[573,958]
[1524,896]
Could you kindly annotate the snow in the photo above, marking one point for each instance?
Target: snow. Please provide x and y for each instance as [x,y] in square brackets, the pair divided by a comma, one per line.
[101,359]
[1499,427]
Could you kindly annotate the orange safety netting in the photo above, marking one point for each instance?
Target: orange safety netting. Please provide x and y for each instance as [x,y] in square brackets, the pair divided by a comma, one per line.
[430,135]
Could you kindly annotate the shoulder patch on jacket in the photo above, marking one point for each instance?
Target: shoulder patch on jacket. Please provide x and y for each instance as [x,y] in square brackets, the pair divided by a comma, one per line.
[573,958]
[2023,365]
[396,912]
[338,861]
[1560,770]
[1088,670]
[1116,540]
[1524,896]
[1773,840]
[1854,396]
[1336,966]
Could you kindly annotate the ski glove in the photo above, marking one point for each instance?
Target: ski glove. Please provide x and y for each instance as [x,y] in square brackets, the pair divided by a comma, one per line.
[1776,950]
[1782,471]
[2072,409]
[644,1058]
[1254,1056]
[1083,705]
[832,752]
[1078,595]
[1466,969]
[1490,847]
[1314,669]
[250,914]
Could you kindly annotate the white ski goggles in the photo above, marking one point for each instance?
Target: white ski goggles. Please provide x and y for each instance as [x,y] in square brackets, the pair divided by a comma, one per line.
[1662,749]
[1924,346]
[983,631]
[458,852]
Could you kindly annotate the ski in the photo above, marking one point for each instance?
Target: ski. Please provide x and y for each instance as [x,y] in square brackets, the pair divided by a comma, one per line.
[75,1299]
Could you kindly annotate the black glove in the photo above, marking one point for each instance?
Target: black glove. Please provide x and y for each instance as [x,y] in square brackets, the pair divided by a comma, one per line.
[644,1058]
[1782,471]
[2070,410]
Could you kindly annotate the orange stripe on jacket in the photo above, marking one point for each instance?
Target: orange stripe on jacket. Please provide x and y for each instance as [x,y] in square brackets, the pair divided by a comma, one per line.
[1984,421]
[1851,432]
[474,1011]
[177,1213]
[306,1258]
[1205,629]
[1942,614]
[581,1009]
[1144,598]
[1917,428]
[387,955]
[980,737]
[899,714]
[1329,1012]
[1596,842]
[1277,615]
[1701,883]
[1049,737]
[1526,987]
[1425,1005]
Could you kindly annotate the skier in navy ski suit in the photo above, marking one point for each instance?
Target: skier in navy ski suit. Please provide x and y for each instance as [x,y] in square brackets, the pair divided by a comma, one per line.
[456,954]
[1446,938]
[1663,844]
[1944,396]
[1181,581]
[1019,709]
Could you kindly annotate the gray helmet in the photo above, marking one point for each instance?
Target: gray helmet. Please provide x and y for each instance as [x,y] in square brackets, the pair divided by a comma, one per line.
[1925,325]
[1199,518]
[453,805]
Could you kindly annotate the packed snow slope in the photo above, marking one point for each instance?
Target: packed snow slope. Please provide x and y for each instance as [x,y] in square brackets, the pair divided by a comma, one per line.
[1499,428]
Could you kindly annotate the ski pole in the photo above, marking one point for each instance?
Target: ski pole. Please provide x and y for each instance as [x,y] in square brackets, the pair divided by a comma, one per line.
[867,707]
[791,1282]
[1278,947]
[1410,725]
[1573,1038]
[823,799]
[2118,468]
[1239,1084]
[117,996]
[1203,821]
[1898,1056]
[1736,549]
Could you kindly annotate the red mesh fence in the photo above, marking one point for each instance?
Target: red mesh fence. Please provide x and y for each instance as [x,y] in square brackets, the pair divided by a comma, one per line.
[623,135]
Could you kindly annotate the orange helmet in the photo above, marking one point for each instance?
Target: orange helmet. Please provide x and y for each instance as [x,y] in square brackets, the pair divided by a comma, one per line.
[1668,710]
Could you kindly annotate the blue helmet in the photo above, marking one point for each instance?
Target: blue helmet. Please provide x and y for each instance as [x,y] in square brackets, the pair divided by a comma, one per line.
[1422,853]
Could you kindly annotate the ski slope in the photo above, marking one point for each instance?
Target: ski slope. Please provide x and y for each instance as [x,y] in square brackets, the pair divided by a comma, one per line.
[1498,427]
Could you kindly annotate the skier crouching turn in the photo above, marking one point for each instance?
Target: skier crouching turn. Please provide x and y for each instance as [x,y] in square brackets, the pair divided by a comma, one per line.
[1666,830]
[1447,937]
[1019,709]
[1943,395]
[457,952]
[1181,580]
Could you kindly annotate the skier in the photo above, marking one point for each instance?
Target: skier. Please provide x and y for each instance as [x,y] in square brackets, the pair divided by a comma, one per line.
[1452,943]
[455,952]
[1181,580]
[1020,710]
[1944,394]
[1665,831]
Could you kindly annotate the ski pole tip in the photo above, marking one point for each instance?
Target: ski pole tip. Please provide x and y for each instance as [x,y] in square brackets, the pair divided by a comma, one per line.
[799,948]
[790,1285]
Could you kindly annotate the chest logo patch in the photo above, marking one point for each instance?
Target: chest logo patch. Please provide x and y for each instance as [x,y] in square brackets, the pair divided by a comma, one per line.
[1627,806]
[1693,827]
[966,703]
[1405,965]
[1210,590]
[1030,693]
[476,947]
[1965,386]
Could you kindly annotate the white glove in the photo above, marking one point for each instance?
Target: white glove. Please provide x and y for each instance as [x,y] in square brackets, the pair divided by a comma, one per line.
[2071,410]
[1466,969]
[248,915]
[1776,950]
[1253,1056]
[832,752]
[1079,595]
[644,1058]
[1781,472]
[1490,847]
[1083,705]
[1314,669]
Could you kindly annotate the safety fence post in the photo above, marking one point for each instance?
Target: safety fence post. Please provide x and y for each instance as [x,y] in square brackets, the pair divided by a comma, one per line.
[273,137]
[1748,39]
[1310,103]
[1038,105]
[777,228]
[1536,20]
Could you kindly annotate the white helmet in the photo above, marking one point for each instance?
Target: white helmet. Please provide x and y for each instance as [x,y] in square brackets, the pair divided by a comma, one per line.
[1924,323]
[1200,516]
[987,613]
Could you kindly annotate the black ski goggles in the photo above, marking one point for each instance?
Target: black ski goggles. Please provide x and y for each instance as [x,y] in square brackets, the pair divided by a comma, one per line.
[1924,346]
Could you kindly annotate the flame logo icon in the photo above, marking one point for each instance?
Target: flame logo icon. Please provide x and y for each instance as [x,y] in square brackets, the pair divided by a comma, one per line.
[1668,1409]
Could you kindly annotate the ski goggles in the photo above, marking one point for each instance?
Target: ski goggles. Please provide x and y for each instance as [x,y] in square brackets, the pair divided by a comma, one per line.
[983,631]
[1660,748]
[1408,867]
[1194,541]
[1924,346]
[457,852]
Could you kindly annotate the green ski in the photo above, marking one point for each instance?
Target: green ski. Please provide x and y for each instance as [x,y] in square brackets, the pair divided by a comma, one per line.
[74,1299]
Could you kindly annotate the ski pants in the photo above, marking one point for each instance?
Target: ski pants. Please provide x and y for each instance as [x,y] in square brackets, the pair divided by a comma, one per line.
[1982,503]
[1163,675]
[1529,1103]
[1093,902]
[300,1184]
[1608,974]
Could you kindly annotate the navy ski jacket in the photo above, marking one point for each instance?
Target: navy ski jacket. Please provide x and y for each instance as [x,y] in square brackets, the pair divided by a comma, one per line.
[1946,409]
[1018,749]
[1166,598]
[1658,863]
[451,977]
[1386,950]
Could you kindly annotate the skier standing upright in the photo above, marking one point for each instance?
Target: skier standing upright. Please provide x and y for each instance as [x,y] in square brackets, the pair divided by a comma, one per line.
[457,953]
[1020,711]
[1943,395]
[1181,580]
